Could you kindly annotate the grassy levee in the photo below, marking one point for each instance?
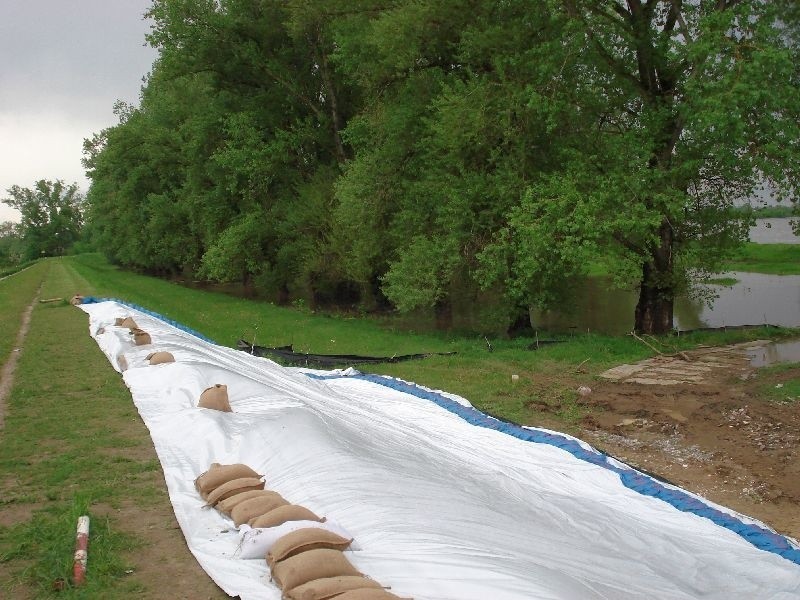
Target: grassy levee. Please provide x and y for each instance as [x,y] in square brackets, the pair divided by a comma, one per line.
[16,293]
[549,375]
[74,444]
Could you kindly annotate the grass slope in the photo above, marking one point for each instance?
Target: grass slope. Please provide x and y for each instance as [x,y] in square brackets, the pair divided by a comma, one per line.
[548,375]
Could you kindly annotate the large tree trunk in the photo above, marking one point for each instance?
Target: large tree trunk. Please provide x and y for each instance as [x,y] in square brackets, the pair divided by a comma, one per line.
[331,98]
[655,309]
[521,325]
[443,312]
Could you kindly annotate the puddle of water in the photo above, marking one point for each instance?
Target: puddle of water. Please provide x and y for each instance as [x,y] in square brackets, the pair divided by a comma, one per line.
[774,354]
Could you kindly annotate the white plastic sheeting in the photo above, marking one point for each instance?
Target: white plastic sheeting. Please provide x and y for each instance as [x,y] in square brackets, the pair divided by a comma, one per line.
[441,509]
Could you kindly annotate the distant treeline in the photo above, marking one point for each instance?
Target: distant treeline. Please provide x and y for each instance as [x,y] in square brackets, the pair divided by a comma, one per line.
[417,154]
[771,212]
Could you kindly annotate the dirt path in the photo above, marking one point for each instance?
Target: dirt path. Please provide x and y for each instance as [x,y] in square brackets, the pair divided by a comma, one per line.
[716,435]
[7,374]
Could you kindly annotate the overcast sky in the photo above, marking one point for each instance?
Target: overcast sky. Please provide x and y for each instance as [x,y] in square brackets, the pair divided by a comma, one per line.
[63,64]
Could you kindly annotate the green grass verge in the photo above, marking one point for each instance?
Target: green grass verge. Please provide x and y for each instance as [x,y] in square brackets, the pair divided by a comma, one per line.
[723,281]
[781,383]
[769,212]
[72,444]
[547,376]
[772,259]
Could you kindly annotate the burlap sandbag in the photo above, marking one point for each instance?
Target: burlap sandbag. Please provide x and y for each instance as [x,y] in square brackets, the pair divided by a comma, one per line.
[141,337]
[308,566]
[215,397]
[231,488]
[303,540]
[278,516]
[255,507]
[159,358]
[76,300]
[226,506]
[126,322]
[369,594]
[218,474]
[323,589]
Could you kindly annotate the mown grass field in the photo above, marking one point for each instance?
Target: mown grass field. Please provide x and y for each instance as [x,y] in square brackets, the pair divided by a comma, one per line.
[74,444]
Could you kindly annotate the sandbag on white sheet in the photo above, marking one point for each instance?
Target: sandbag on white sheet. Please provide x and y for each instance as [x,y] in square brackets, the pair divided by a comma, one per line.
[256,542]
[441,508]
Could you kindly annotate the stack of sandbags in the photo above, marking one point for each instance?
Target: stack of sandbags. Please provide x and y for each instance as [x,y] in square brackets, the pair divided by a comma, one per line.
[314,568]
[216,398]
[304,553]
[232,490]
[224,481]
[245,509]
[334,587]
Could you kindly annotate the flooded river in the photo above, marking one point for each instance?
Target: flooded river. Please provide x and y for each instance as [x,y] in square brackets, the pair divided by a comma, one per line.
[755,299]
[773,231]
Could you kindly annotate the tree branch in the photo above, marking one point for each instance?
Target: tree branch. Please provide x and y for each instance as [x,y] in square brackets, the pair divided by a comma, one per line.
[676,13]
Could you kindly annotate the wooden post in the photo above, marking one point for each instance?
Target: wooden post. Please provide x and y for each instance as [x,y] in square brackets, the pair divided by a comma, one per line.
[81,551]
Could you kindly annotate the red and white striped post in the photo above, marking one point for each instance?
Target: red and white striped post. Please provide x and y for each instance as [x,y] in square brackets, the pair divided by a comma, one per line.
[81,551]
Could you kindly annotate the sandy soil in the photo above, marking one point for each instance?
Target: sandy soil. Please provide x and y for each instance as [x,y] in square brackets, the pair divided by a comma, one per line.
[720,439]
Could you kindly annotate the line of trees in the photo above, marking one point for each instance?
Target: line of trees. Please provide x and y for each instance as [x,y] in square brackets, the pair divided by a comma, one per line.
[412,153]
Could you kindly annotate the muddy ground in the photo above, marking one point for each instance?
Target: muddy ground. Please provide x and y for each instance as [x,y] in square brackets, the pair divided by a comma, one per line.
[720,438]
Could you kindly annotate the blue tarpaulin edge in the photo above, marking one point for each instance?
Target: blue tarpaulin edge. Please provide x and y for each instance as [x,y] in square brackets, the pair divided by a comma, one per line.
[759,537]
[95,300]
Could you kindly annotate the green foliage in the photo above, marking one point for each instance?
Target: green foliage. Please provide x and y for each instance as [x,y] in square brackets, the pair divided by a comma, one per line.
[11,248]
[52,218]
[423,152]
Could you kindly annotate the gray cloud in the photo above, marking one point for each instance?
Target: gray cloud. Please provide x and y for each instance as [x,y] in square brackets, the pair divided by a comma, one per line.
[62,66]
